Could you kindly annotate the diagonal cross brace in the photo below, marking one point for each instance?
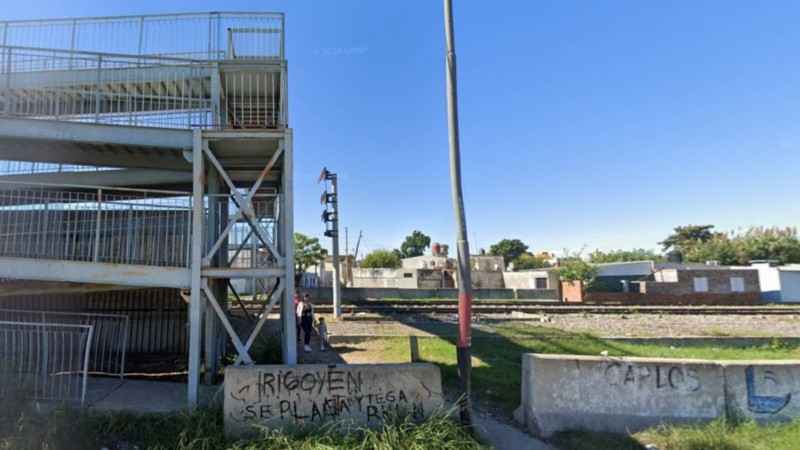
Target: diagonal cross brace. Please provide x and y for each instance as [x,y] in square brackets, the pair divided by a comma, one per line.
[261,321]
[243,203]
[227,324]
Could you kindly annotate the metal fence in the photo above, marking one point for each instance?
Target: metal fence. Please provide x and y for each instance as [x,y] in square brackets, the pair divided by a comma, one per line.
[207,36]
[140,90]
[105,88]
[157,317]
[44,361]
[109,340]
[127,226]
[102,225]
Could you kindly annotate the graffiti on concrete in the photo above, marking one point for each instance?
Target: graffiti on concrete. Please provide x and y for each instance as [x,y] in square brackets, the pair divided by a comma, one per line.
[765,404]
[660,377]
[317,396]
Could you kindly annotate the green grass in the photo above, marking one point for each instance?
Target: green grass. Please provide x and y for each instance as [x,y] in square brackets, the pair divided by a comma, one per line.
[497,356]
[716,435]
[724,435]
[67,428]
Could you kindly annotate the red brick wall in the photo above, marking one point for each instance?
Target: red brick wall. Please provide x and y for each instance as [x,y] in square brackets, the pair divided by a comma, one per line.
[743,298]
[719,282]
[571,291]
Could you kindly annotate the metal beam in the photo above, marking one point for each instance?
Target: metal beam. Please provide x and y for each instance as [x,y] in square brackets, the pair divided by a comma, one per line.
[26,287]
[94,272]
[96,133]
[195,305]
[248,272]
[64,152]
[288,318]
[107,178]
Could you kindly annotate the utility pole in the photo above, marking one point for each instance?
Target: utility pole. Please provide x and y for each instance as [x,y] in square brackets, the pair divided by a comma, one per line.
[346,259]
[464,341]
[332,217]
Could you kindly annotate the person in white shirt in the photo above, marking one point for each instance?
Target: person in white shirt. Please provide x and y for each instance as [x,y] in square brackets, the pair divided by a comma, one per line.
[305,311]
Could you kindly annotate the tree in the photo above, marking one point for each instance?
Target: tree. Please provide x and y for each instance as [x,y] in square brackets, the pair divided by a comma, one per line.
[509,249]
[380,259]
[636,254]
[528,260]
[415,244]
[781,244]
[719,248]
[684,239]
[307,252]
[775,243]
[576,269]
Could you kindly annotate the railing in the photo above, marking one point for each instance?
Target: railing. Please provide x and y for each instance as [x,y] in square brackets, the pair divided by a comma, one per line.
[127,226]
[206,36]
[140,90]
[104,88]
[44,360]
[109,339]
[103,225]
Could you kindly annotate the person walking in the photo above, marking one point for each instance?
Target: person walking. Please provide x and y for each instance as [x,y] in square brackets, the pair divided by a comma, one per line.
[297,300]
[305,310]
[322,331]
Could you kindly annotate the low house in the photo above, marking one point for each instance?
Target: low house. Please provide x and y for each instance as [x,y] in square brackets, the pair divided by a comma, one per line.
[671,282]
[544,278]
[778,283]
[728,281]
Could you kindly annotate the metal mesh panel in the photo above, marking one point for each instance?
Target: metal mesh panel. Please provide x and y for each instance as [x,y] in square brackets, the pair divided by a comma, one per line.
[109,341]
[44,361]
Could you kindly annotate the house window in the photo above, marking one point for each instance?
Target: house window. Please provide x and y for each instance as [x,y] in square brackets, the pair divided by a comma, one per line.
[737,284]
[701,284]
[408,275]
[541,283]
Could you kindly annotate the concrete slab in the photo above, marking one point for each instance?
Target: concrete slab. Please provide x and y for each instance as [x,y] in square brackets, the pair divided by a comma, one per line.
[562,392]
[309,396]
[767,391]
[111,394]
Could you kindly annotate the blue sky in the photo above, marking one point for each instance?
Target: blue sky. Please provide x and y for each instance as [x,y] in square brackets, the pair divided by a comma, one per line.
[583,123]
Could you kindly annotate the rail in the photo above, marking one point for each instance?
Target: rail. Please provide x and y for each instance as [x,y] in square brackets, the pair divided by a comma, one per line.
[206,36]
[44,361]
[100,225]
[140,90]
[109,340]
[127,226]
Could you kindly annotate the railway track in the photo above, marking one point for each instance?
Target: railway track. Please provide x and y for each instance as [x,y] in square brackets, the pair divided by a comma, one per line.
[380,307]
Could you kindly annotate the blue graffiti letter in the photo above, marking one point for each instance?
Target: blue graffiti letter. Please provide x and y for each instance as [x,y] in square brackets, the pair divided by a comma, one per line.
[763,404]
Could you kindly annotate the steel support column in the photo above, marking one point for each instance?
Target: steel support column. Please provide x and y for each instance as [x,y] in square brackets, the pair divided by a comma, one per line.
[288,318]
[195,305]
[211,322]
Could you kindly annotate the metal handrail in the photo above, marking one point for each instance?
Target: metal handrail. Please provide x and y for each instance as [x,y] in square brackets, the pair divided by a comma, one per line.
[201,34]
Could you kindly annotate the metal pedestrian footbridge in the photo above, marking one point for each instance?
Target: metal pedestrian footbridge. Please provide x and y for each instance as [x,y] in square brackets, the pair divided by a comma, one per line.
[151,151]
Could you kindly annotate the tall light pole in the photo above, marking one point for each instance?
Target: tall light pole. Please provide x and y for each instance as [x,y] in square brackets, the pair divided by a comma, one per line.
[464,341]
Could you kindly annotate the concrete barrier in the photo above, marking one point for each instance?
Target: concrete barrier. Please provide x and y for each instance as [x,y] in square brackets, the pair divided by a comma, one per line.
[616,395]
[355,294]
[308,396]
[561,392]
[766,391]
